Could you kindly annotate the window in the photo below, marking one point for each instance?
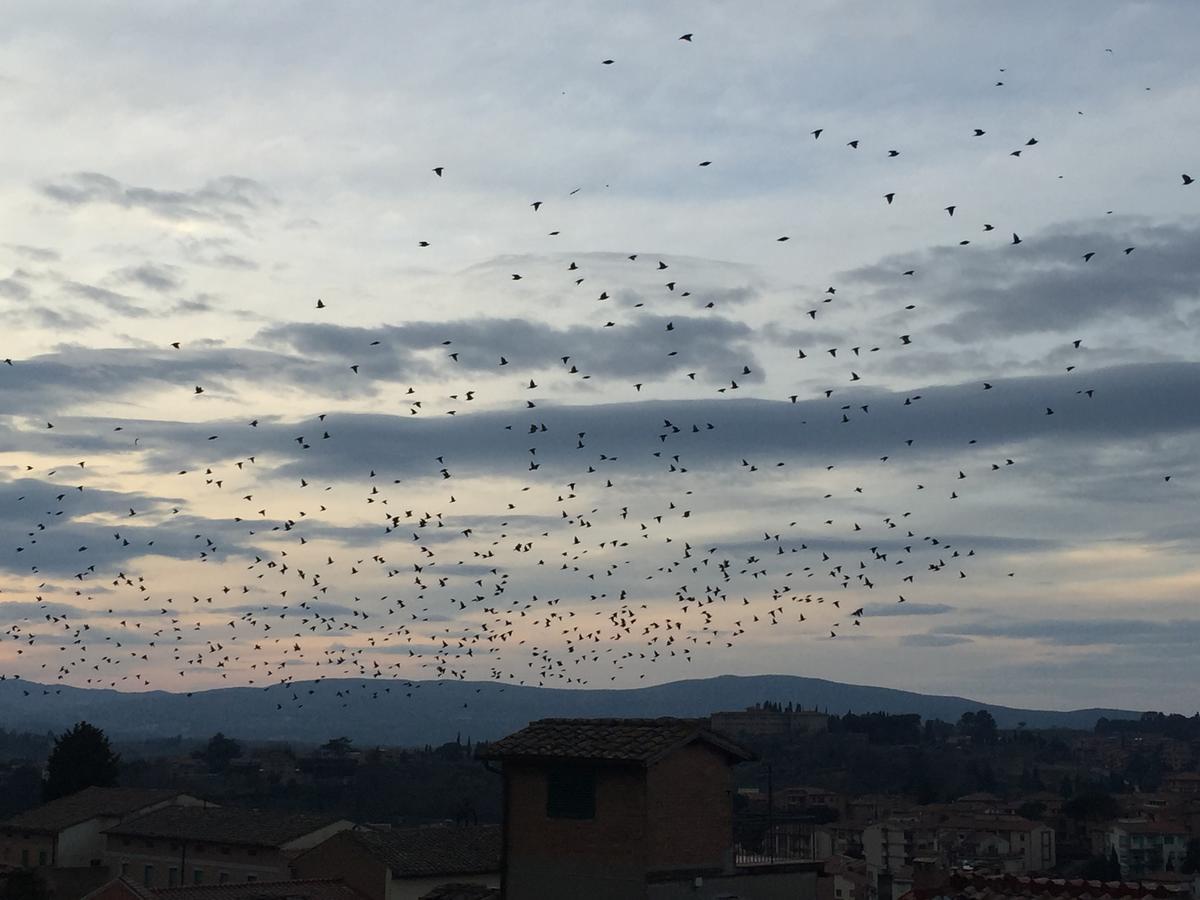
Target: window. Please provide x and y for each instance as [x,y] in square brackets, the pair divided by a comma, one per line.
[173,877]
[124,868]
[251,878]
[571,793]
[148,876]
[197,876]
[24,857]
[41,857]
[222,877]
[96,863]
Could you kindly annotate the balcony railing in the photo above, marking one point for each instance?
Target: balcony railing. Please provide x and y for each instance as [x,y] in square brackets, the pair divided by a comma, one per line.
[762,840]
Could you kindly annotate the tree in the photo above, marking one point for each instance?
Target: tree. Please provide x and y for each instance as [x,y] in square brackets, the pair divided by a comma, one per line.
[81,758]
[219,752]
[979,726]
[1092,806]
[1191,859]
[339,746]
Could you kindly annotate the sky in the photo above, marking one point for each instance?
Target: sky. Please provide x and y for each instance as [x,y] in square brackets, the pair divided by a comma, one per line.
[534,342]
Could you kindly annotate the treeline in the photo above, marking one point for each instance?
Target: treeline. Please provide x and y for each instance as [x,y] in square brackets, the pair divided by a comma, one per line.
[26,746]
[908,728]
[1172,725]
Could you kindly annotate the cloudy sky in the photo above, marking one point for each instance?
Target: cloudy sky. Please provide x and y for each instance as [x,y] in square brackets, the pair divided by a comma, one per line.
[681,361]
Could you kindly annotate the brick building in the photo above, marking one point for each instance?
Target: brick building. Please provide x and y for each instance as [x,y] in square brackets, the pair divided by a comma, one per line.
[69,832]
[406,863]
[177,846]
[639,809]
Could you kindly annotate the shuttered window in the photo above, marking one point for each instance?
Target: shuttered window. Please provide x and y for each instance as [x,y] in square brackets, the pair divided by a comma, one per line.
[571,793]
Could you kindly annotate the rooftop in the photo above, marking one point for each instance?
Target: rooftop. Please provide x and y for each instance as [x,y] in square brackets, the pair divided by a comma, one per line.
[87,804]
[644,741]
[224,825]
[302,889]
[462,892]
[437,850]
[973,886]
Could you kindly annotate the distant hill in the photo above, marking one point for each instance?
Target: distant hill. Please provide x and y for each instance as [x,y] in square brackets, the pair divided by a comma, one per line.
[433,712]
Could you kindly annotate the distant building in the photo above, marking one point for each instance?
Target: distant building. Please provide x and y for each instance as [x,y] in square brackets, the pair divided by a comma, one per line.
[1146,847]
[406,863]
[1182,783]
[69,832]
[177,846]
[636,809]
[765,721]
[848,879]
[991,843]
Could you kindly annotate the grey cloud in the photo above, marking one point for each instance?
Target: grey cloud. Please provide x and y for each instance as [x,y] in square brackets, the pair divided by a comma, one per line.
[228,199]
[37,254]
[911,609]
[14,289]
[1044,284]
[17,609]
[215,252]
[155,277]
[55,549]
[1132,403]
[118,303]
[715,347]
[1085,632]
[42,383]
[934,640]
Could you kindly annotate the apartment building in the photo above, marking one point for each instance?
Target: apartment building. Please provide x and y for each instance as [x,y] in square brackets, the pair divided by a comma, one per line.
[69,832]
[176,846]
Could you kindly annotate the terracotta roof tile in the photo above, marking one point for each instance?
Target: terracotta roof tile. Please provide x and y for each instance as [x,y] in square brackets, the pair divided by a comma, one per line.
[433,851]
[462,892]
[613,740]
[300,889]
[974,886]
[224,825]
[87,804]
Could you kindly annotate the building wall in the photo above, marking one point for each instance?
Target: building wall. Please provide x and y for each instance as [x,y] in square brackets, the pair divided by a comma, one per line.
[25,849]
[341,857]
[313,838]
[129,856]
[593,859]
[79,845]
[690,810]
[82,844]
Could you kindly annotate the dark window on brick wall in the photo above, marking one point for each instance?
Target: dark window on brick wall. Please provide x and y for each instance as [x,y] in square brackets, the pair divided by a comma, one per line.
[571,793]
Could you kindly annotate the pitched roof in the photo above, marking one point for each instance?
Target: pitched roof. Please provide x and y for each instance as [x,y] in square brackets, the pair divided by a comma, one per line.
[433,851]
[973,886]
[88,804]
[300,889]
[642,741]
[462,892]
[224,825]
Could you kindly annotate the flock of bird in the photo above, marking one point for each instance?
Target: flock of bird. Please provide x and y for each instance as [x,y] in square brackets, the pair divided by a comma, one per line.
[591,567]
